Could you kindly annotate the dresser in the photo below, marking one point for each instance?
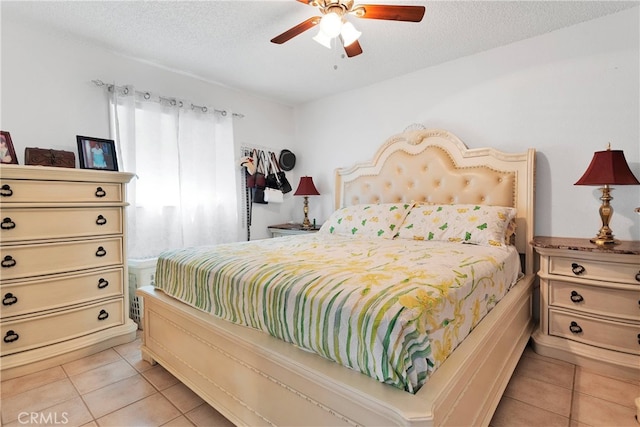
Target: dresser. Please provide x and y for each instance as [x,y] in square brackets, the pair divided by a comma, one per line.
[63,270]
[590,304]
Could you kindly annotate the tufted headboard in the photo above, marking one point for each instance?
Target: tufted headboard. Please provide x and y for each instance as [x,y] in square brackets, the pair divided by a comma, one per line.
[433,165]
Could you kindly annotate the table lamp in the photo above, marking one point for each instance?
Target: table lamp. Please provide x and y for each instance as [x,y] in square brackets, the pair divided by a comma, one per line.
[306,188]
[607,168]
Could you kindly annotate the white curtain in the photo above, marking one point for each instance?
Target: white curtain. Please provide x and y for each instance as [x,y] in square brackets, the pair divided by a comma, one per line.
[184,192]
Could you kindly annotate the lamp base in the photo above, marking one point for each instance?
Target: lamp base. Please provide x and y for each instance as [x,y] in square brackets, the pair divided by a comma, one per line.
[306,224]
[604,241]
[605,234]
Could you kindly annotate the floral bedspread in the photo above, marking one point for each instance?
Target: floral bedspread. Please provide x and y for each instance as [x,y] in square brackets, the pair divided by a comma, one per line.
[391,309]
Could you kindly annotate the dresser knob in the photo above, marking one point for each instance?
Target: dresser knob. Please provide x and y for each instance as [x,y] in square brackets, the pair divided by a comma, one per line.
[101,252]
[103,315]
[9,299]
[102,283]
[577,269]
[575,328]
[8,262]
[7,224]
[10,337]
[638,277]
[101,220]
[100,192]
[6,191]
[576,297]
[638,338]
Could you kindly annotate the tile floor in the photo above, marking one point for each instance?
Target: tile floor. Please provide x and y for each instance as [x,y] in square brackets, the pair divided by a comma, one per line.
[116,388]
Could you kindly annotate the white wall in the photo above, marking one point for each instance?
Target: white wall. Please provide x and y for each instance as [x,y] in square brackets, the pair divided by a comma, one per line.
[48,98]
[566,94]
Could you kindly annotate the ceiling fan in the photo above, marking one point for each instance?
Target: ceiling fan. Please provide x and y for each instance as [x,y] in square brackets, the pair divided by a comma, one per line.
[333,22]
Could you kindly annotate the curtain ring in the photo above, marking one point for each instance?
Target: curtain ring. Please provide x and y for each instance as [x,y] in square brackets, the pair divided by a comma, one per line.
[125,91]
[205,109]
[147,95]
[223,113]
[181,104]
[173,102]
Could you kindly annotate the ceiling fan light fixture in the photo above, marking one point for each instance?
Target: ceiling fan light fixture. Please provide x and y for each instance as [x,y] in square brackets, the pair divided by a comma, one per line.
[349,34]
[331,24]
[323,39]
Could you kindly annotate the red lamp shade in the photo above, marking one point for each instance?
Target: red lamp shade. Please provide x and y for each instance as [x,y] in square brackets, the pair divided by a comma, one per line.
[306,187]
[607,168]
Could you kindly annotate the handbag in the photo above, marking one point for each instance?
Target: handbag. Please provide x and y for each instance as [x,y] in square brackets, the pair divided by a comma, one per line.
[257,191]
[271,195]
[277,178]
[258,179]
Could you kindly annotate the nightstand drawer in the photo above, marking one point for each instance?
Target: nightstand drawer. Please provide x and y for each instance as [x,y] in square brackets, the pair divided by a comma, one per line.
[619,303]
[50,258]
[618,336]
[28,224]
[21,335]
[29,296]
[595,270]
[21,191]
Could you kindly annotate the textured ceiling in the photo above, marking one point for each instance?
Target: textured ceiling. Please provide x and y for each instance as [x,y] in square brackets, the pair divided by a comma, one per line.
[227,42]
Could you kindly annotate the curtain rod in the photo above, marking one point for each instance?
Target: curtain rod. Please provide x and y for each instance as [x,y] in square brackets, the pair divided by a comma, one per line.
[172,101]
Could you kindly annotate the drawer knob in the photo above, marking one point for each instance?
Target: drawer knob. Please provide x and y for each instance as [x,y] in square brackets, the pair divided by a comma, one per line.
[638,338]
[103,315]
[100,192]
[9,299]
[101,252]
[102,283]
[638,277]
[577,269]
[7,224]
[8,262]
[101,220]
[575,328]
[11,336]
[576,297]
[6,191]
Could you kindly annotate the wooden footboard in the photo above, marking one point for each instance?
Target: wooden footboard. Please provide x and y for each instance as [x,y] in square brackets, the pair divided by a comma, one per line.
[254,379]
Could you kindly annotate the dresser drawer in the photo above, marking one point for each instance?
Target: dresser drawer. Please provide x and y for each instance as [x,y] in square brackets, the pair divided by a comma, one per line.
[618,336]
[26,334]
[619,303]
[42,224]
[29,296]
[21,191]
[50,258]
[595,270]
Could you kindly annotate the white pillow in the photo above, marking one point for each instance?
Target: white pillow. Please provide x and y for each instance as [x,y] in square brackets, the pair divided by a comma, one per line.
[478,224]
[369,220]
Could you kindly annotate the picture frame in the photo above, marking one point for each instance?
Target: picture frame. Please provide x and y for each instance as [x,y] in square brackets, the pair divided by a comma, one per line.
[7,152]
[97,153]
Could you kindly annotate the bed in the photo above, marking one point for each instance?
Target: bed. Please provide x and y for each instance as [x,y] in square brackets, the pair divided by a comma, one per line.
[253,378]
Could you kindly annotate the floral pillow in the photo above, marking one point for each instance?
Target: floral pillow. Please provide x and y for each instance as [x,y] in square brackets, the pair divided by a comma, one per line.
[368,220]
[478,224]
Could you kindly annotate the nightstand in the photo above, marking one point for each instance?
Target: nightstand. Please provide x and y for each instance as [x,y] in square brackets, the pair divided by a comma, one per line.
[280,230]
[590,304]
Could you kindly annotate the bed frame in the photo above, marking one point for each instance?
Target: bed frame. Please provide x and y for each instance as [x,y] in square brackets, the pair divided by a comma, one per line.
[254,379]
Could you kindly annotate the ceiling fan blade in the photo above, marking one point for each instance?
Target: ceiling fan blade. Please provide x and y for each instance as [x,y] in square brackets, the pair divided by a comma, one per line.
[298,29]
[354,49]
[389,12]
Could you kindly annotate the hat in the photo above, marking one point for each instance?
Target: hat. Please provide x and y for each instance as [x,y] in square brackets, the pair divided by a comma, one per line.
[287,160]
